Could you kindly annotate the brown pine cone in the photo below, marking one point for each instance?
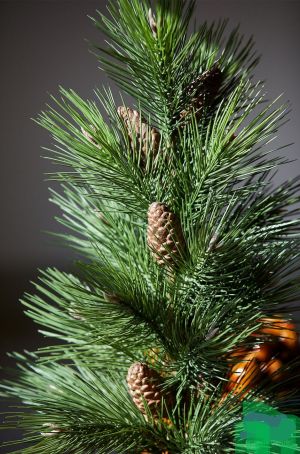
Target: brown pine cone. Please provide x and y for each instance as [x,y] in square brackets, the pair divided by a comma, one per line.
[88,136]
[152,22]
[102,217]
[112,298]
[164,235]
[139,133]
[51,430]
[145,386]
[202,91]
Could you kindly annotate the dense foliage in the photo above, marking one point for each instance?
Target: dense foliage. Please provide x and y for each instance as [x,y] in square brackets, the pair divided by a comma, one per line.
[213,170]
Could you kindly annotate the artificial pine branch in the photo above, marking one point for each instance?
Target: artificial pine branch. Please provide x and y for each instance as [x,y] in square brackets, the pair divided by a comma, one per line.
[186,249]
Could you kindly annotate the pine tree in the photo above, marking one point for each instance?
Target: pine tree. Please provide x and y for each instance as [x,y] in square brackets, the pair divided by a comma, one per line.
[179,311]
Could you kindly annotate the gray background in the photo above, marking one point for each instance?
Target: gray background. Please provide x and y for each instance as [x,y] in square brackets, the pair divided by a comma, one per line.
[42,46]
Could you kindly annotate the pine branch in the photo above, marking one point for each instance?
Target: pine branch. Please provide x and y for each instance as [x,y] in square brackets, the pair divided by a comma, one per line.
[166,62]
[77,409]
[196,149]
[84,317]
[103,164]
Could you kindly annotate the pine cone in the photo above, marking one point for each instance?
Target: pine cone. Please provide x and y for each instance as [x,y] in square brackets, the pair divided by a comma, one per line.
[52,430]
[207,83]
[75,314]
[202,91]
[102,217]
[112,298]
[152,22]
[139,133]
[213,244]
[164,235]
[88,136]
[145,386]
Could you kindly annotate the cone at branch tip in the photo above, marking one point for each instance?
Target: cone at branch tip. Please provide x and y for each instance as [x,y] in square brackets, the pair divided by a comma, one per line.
[102,217]
[152,22]
[112,298]
[140,134]
[53,430]
[213,244]
[88,136]
[164,234]
[202,91]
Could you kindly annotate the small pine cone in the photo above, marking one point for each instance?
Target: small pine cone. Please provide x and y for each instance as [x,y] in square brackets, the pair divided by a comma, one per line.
[102,217]
[202,91]
[88,136]
[139,132]
[145,386]
[207,83]
[152,23]
[212,246]
[52,430]
[164,236]
[112,298]
[76,315]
